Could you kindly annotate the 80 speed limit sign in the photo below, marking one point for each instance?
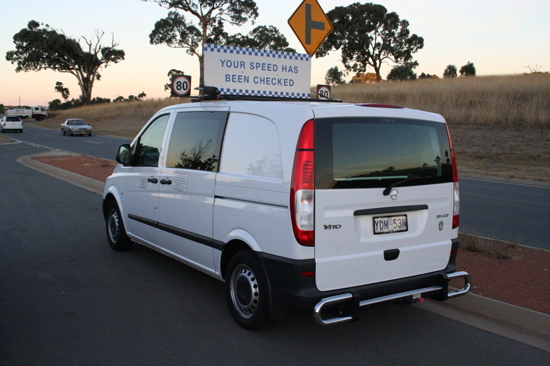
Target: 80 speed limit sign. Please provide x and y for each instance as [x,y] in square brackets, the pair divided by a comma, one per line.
[323,92]
[181,85]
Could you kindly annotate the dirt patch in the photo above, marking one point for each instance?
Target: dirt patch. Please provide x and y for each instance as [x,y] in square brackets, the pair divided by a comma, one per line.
[522,153]
[84,165]
[523,282]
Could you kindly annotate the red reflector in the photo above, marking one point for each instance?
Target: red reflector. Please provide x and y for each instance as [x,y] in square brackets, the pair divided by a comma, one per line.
[456,221]
[308,274]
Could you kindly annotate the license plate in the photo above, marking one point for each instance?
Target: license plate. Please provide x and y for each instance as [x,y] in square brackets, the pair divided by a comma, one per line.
[390,224]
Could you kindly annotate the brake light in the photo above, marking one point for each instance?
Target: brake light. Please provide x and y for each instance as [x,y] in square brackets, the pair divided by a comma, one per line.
[456,193]
[302,187]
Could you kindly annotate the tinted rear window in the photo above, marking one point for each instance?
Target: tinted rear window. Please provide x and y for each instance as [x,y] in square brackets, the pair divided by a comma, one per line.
[375,152]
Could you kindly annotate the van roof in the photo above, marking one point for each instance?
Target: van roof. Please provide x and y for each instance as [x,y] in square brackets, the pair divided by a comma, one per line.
[315,109]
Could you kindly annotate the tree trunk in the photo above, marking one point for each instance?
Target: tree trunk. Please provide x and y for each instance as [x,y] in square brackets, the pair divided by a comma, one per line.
[86,89]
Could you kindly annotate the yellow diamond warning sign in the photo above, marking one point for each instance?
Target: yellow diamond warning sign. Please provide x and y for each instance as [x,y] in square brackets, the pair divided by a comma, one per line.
[311,25]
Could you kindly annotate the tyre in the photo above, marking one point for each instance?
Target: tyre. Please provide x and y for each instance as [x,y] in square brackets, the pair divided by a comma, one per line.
[116,233]
[63,132]
[247,291]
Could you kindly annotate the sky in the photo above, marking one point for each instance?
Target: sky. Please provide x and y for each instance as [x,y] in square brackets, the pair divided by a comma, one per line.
[500,37]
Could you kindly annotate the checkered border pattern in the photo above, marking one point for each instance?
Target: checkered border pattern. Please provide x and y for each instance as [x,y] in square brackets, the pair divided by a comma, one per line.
[263,93]
[256,52]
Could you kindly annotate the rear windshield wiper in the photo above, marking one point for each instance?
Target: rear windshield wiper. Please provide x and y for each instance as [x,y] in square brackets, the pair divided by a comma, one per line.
[398,183]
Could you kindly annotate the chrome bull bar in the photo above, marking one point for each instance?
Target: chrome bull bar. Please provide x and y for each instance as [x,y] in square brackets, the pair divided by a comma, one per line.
[413,294]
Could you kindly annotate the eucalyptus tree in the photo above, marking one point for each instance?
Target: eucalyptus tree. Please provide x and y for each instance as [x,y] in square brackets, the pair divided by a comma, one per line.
[40,47]
[369,35]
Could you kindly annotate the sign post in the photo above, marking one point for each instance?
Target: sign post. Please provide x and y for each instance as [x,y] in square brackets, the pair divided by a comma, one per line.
[311,25]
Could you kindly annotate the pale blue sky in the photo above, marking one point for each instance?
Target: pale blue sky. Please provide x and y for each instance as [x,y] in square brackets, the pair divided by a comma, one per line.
[499,37]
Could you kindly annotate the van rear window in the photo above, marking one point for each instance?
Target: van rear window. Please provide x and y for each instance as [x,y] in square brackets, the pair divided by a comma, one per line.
[376,152]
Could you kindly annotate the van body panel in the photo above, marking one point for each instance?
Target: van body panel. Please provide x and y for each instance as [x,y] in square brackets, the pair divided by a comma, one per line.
[345,242]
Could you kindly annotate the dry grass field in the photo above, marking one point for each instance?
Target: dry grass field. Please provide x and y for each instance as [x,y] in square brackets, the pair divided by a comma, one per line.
[500,124]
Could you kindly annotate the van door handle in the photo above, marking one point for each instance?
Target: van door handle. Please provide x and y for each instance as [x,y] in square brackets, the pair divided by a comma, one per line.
[165,181]
[153,180]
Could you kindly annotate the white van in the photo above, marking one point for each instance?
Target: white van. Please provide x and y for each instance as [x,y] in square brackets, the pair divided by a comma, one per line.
[330,207]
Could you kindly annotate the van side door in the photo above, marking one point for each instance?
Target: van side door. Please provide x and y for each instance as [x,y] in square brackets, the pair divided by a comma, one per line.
[139,181]
[186,187]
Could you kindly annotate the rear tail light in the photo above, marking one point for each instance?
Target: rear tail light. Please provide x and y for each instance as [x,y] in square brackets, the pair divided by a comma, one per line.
[456,193]
[302,187]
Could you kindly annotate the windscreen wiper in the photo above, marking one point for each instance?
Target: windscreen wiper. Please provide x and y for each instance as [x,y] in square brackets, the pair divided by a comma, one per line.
[398,183]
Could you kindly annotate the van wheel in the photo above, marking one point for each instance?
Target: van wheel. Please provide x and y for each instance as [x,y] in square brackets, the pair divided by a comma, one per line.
[247,292]
[116,233]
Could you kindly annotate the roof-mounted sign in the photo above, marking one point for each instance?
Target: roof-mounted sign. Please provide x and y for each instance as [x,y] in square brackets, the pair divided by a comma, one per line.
[254,72]
[311,25]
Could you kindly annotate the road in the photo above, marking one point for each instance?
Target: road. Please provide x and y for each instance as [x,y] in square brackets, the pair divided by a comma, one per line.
[99,146]
[67,299]
[509,212]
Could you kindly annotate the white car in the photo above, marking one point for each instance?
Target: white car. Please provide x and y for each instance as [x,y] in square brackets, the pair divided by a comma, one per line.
[330,207]
[11,123]
[76,126]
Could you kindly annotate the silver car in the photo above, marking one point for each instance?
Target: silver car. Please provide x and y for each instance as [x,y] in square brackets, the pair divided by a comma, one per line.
[76,126]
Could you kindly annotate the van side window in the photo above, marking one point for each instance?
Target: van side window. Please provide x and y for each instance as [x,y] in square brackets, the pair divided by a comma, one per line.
[256,152]
[147,149]
[196,140]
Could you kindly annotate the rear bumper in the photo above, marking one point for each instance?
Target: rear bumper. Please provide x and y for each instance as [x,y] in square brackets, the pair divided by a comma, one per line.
[324,315]
[291,289]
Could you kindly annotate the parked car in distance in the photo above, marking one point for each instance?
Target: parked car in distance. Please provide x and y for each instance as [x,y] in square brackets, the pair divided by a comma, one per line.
[11,123]
[76,126]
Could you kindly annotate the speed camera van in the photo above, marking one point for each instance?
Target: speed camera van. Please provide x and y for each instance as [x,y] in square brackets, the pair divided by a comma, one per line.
[330,207]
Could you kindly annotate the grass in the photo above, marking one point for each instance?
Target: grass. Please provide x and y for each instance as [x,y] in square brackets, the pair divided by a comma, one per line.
[496,101]
[495,248]
[118,119]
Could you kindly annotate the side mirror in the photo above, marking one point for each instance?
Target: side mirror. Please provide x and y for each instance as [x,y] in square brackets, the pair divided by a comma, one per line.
[124,154]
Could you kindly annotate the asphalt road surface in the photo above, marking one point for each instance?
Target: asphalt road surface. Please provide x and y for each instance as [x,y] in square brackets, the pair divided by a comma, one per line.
[511,212]
[67,299]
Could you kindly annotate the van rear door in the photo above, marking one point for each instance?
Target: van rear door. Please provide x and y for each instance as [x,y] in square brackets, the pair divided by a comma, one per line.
[383,200]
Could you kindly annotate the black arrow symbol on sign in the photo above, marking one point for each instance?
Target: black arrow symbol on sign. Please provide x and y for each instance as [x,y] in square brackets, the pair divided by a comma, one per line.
[311,24]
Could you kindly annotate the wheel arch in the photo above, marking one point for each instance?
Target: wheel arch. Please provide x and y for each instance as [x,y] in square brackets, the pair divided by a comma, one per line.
[230,249]
[112,196]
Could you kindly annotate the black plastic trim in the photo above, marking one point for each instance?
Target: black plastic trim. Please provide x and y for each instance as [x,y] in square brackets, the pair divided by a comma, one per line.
[201,239]
[385,210]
